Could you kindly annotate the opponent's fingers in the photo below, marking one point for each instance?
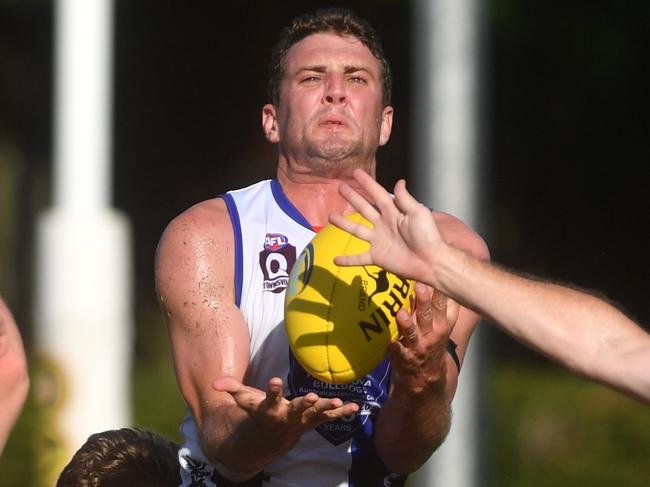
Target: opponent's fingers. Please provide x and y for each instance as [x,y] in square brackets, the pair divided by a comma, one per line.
[423,308]
[360,203]
[357,229]
[404,201]
[408,330]
[352,260]
[381,198]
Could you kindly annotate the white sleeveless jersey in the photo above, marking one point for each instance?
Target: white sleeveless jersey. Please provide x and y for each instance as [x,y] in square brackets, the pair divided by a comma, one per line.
[269,233]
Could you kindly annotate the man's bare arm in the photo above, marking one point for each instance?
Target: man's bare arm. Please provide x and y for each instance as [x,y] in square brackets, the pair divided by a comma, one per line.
[241,428]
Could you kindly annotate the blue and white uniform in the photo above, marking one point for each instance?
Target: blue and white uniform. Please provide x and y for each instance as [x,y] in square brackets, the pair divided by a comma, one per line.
[269,233]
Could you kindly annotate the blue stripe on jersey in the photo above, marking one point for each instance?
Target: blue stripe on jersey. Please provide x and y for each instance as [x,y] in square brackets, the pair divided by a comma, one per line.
[286,205]
[239,250]
[367,469]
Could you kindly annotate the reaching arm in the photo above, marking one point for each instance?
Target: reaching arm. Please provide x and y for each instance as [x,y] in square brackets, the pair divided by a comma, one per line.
[14,380]
[580,331]
[241,429]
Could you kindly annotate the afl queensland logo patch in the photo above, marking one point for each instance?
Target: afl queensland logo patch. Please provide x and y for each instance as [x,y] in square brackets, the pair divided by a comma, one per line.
[276,261]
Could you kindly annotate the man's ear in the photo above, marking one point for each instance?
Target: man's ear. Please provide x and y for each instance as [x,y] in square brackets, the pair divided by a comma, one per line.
[270,123]
[386,125]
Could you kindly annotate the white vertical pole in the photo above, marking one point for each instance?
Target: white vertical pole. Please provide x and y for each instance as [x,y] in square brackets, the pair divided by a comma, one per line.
[83,95]
[447,65]
[83,292]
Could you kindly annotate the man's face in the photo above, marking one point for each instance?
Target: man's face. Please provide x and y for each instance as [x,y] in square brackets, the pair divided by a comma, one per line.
[330,108]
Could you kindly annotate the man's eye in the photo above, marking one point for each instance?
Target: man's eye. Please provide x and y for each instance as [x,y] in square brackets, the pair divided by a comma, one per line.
[310,79]
[357,79]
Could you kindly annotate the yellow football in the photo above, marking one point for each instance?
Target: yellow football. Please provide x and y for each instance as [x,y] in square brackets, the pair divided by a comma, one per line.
[340,320]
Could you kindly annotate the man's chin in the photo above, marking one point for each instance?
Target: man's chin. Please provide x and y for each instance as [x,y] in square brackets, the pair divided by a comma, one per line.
[336,150]
[337,164]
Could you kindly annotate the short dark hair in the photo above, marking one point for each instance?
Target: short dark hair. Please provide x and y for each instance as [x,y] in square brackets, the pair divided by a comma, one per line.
[121,457]
[340,21]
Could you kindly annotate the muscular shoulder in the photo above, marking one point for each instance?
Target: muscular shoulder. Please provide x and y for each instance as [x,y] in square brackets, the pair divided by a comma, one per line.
[203,220]
[459,235]
[199,241]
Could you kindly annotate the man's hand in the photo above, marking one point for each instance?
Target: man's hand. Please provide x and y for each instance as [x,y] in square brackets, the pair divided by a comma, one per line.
[416,418]
[275,414]
[419,358]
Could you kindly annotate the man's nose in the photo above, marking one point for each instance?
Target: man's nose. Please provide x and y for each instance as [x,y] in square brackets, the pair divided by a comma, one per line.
[335,90]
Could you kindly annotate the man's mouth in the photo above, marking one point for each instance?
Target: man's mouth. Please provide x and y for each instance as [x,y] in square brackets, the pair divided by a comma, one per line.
[329,121]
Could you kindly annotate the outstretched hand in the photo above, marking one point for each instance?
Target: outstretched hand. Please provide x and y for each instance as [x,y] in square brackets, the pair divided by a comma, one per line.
[404,239]
[272,411]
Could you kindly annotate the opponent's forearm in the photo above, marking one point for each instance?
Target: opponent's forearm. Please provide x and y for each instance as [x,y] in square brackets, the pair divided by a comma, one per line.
[634,371]
[411,426]
[535,313]
[581,332]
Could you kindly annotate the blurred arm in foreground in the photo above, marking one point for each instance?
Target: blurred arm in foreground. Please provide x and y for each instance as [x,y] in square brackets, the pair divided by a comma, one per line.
[579,331]
[14,381]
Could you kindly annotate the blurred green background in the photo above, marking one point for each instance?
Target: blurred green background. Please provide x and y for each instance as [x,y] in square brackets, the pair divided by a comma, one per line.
[565,99]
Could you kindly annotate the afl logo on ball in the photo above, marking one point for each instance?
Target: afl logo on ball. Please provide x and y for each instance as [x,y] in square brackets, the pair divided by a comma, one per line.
[276,261]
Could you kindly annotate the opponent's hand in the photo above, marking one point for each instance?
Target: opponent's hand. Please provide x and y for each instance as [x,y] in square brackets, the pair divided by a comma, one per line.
[419,358]
[405,240]
[272,411]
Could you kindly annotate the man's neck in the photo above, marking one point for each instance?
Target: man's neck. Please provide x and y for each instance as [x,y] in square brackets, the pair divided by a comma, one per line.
[316,196]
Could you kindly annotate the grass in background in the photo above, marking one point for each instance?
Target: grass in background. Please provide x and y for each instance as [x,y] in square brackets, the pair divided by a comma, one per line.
[549,428]
[159,405]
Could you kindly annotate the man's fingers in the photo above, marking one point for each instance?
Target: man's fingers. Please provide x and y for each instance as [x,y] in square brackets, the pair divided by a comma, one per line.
[439,309]
[453,310]
[329,409]
[227,384]
[274,391]
[407,329]
[245,396]
[423,311]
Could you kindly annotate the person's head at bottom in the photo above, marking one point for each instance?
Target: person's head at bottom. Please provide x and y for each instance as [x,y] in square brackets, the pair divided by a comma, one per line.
[123,457]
